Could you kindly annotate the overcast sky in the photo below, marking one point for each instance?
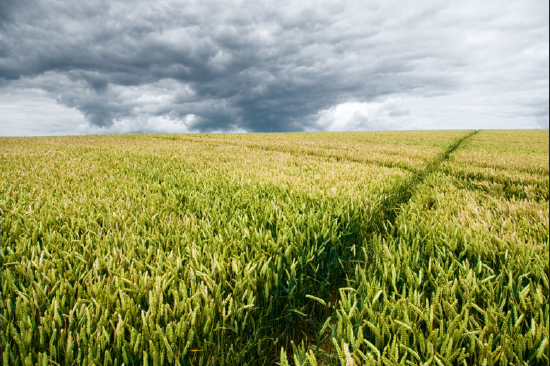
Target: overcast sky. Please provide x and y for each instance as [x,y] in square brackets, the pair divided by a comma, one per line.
[71,67]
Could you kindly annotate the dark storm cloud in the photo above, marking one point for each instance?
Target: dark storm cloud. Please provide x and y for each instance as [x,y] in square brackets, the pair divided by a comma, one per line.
[254,66]
[7,9]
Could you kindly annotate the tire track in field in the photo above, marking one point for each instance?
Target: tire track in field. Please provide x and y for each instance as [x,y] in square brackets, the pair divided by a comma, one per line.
[390,209]
[404,191]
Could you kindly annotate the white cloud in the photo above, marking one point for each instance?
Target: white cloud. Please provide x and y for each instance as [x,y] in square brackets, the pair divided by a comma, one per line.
[32,112]
[353,116]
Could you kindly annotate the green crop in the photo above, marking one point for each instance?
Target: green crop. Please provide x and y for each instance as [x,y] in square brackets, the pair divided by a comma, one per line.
[336,248]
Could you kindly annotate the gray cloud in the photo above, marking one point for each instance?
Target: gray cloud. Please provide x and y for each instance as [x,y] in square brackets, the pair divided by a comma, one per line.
[254,66]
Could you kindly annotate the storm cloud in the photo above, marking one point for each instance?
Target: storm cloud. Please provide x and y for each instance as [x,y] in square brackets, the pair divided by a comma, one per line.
[225,66]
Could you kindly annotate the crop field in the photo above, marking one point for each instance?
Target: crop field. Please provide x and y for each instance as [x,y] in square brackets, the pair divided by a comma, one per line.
[305,249]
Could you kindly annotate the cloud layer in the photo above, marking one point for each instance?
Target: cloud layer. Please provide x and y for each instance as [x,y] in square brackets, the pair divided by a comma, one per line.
[208,66]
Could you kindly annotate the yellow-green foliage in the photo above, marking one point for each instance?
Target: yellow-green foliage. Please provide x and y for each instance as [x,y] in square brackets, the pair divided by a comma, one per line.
[370,248]
[461,277]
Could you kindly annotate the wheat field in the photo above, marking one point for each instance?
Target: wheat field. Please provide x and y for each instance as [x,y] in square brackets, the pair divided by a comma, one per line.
[360,248]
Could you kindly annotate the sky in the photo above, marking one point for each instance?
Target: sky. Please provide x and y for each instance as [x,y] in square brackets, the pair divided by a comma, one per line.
[105,67]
